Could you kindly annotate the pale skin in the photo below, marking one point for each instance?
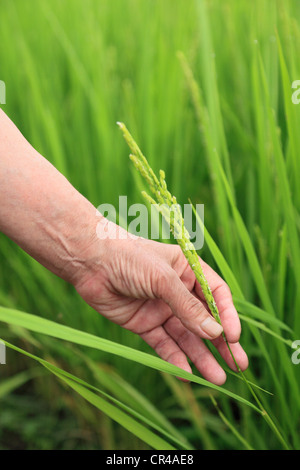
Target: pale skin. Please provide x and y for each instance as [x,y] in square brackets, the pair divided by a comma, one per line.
[142,285]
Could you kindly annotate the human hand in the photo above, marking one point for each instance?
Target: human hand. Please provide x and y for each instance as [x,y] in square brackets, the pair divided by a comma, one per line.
[144,286]
[149,288]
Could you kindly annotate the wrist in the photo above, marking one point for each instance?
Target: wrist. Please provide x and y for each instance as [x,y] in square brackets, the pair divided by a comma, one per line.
[84,250]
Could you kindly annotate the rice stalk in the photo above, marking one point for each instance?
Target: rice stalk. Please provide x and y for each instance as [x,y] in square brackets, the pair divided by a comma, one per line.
[166,203]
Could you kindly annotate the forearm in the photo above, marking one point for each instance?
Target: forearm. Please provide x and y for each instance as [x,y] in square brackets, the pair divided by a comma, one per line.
[40,210]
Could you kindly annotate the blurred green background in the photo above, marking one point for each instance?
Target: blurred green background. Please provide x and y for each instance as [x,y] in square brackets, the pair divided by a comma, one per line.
[74,68]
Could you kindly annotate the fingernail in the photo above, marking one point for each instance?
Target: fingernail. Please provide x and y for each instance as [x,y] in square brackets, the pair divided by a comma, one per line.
[211,327]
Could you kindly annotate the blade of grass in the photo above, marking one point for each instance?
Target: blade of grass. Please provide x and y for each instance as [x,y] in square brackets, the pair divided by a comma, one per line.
[49,328]
[110,409]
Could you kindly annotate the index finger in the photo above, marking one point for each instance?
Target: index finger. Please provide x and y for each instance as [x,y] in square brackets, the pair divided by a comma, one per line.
[222,295]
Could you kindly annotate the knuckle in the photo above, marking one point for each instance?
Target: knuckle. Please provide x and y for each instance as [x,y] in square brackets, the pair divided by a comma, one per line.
[227,290]
[194,309]
[161,345]
[183,338]
[224,290]
[174,356]
[164,281]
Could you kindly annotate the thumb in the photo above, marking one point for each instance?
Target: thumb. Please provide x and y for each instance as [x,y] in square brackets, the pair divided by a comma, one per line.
[190,310]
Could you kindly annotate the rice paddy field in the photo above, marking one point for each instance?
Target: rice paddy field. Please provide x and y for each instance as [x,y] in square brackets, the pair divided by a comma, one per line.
[205,87]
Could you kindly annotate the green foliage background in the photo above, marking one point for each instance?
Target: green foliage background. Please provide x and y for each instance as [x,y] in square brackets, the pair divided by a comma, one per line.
[74,68]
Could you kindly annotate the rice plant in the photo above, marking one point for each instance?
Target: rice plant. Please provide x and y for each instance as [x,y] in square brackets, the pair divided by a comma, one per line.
[206,89]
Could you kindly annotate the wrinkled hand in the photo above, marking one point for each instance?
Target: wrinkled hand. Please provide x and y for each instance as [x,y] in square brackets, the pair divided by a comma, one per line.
[149,288]
[142,285]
